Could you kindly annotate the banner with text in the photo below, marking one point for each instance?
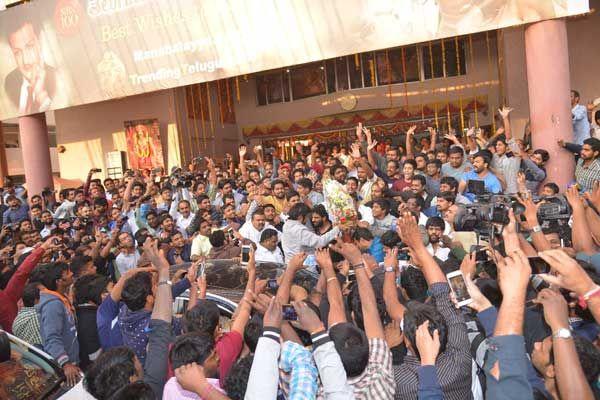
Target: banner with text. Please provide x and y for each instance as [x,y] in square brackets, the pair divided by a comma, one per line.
[60,53]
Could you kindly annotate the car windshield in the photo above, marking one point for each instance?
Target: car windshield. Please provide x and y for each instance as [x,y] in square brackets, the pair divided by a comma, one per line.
[228,278]
[28,375]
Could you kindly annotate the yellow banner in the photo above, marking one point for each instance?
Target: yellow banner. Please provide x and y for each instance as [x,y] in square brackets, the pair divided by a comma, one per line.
[61,53]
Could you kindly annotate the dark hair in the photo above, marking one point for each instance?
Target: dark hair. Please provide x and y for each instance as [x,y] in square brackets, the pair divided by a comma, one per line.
[259,211]
[290,193]
[267,234]
[191,347]
[38,207]
[362,233]
[456,150]
[420,178]
[352,345]
[593,143]
[552,186]
[383,203]
[390,239]
[305,182]
[78,262]
[165,217]
[89,288]
[543,153]
[414,283]
[136,290]
[589,358]
[253,331]
[411,162]
[438,163]
[336,167]
[448,196]
[437,222]
[217,238]
[110,372]
[576,94]
[237,379]
[278,182]
[355,304]
[298,210]
[139,390]
[485,155]
[4,347]
[52,273]
[352,178]
[31,293]
[416,314]
[450,181]
[203,317]
[100,201]
[320,210]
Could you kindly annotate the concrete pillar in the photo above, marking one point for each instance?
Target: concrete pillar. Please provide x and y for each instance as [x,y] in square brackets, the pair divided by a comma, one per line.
[3,162]
[33,134]
[547,53]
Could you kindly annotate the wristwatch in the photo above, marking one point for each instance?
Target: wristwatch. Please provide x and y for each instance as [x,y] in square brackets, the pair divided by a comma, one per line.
[536,229]
[388,269]
[167,282]
[562,333]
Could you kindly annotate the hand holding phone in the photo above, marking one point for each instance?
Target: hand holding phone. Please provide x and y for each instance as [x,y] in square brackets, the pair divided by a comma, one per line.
[289,312]
[245,255]
[459,288]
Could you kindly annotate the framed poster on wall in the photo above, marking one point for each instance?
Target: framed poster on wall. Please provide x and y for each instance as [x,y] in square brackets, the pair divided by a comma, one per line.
[144,148]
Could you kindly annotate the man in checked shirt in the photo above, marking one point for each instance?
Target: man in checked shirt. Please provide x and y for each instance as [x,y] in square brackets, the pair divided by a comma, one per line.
[452,369]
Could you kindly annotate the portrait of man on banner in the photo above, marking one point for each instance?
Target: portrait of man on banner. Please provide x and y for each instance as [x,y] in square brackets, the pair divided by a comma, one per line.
[144,148]
[31,86]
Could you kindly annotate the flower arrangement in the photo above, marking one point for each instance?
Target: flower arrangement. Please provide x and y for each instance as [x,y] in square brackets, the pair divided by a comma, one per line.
[339,204]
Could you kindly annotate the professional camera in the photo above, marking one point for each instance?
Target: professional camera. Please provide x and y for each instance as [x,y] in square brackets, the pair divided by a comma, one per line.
[553,208]
[182,179]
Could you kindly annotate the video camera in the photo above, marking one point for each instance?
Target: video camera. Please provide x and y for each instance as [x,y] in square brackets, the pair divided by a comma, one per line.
[182,179]
[490,209]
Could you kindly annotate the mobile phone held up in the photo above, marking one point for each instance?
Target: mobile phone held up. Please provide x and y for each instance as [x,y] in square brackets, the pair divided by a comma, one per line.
[245,255]
[289,312]
[459,288]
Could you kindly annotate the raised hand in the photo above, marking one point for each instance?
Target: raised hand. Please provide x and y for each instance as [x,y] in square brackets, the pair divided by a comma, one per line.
[594,196]
[572,195]
[273,315]
[349,251]
[391,258]
[191,377]
[556,309]
[242,152]
[372,145]
[568,273]
[359,132]
[297,261]
[409,232]
[323,258]
[480,302]
[513,274]
[355,150]
[411,130]
[309,321]
[504,111]
[428,345]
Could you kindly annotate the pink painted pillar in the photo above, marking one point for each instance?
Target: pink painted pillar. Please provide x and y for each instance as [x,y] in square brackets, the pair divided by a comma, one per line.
[33,134]
[547,53]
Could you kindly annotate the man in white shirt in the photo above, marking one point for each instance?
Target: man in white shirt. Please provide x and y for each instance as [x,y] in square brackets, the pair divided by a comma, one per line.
[297,237]
[435,228]
[128,256]
[267,250]
[201,244]
[251,230]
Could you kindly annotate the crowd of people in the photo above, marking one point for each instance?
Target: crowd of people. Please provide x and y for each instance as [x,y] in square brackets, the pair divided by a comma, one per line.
[87,274]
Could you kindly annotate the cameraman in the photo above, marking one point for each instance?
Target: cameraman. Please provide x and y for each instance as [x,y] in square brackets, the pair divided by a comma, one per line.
[481,171]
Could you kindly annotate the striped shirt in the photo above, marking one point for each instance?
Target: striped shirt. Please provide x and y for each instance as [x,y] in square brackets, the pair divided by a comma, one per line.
[587,175]
[453,365]
[26,326]
[377,380]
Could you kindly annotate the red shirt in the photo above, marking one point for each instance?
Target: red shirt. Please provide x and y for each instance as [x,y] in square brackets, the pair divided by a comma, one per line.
[10,296]
[400,184]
